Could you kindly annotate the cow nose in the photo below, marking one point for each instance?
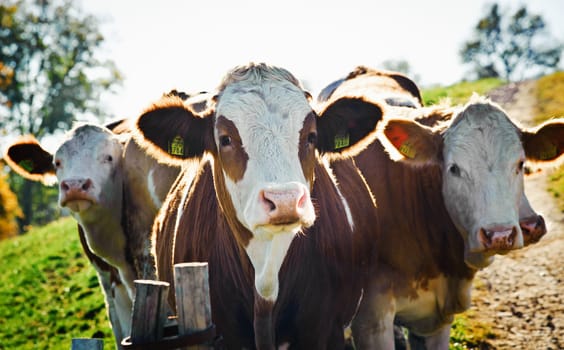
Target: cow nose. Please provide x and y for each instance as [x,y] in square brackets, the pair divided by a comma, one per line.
[533,229]
[79,185]
[283,206]
[498,239]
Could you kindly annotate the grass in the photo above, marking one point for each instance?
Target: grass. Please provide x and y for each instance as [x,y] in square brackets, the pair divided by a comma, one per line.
[550,97]
[461,92]
[49,293]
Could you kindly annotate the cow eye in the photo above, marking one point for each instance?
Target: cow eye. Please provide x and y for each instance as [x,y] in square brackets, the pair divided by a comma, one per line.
[454,170]
[109,158]
[312,138]
[57,163]
[225,141]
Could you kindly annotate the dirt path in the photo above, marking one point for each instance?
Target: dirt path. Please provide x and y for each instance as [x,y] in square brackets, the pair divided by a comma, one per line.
[521,295]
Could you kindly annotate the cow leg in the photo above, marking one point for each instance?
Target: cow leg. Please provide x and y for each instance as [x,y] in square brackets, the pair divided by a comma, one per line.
[373,326]
[438,341]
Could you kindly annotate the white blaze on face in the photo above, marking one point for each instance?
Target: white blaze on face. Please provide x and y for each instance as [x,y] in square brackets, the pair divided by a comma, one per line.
[270,194]
[482,175]
[88,167]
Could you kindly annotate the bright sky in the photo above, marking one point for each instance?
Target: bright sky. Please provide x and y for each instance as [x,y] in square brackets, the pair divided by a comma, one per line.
[189,45]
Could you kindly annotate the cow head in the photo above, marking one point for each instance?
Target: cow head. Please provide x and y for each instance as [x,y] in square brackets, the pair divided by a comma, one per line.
[482,154]
[263,138]
[87,166]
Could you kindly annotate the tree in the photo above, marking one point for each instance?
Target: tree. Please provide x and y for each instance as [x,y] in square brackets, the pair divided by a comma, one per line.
[400,66]
[50,73]
[511,48]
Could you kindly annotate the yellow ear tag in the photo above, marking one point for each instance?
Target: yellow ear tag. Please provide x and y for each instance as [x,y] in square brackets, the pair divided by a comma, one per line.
[26,164]
[407,150]
[176,146]
[342,141]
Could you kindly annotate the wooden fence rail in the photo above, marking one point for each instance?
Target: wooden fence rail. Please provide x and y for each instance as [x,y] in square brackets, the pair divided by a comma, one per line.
[151,328]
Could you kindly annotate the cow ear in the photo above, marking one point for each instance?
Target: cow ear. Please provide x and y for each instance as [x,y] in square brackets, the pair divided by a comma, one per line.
[171,132]
[347,125]
[546,143]
[28,159]
[410,141]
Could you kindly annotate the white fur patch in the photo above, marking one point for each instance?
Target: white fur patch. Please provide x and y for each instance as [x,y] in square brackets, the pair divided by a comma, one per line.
[153,189]
[267,257]
[329,170]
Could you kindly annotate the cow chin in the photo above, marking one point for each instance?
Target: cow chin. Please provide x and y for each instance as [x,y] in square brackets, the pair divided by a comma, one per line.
[268,231]
[78,205]
[477,260]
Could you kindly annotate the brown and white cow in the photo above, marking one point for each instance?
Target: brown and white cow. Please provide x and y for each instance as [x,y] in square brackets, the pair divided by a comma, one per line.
[264,210]
[453,200]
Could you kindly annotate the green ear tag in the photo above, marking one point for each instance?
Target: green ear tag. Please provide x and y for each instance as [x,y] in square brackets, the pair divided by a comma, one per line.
[176,146]
[342,141]
[27,165]
[407,150]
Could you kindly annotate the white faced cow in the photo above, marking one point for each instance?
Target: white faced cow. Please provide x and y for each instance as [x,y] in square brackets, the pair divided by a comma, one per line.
[264,210]
[114,197]
[453,199]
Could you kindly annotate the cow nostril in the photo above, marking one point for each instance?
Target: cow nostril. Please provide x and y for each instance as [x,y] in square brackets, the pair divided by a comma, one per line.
[64,186]
[540,222]
[511,237]
[487,234]
[267,202]
[86,185]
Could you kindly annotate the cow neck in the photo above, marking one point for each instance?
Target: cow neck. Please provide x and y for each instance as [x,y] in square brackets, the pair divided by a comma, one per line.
[418,239]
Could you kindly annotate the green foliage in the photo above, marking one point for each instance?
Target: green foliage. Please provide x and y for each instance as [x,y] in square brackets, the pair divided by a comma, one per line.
[49,293]
[36,198]
[550,96]
[50,75]
[9,209]
[51,70]
[550,104]
[511,46]
[469,333]
[459,93]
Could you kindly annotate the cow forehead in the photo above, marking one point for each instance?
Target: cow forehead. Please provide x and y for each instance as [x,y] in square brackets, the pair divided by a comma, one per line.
[84,145]
[278,108]
[482,134]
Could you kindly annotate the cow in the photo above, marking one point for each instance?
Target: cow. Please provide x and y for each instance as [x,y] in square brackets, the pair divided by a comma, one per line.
[450,197]
[281,236]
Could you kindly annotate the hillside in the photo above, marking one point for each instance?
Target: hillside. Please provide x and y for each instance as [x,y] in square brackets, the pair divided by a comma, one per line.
[49,293]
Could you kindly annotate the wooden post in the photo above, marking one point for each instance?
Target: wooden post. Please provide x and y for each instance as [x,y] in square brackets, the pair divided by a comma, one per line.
[87,344]
[149,311]
[192,298]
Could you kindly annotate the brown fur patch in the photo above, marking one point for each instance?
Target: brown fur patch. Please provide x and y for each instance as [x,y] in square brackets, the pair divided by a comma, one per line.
[232,157]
